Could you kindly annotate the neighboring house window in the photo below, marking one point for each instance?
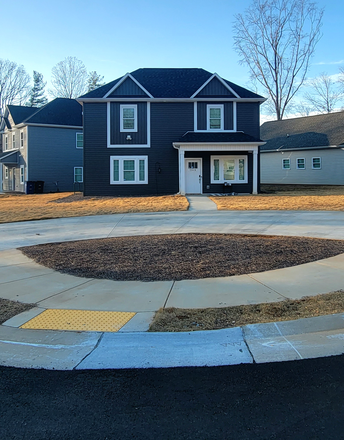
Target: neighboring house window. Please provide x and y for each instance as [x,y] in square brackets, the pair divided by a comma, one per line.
[301,164]
[128,118]
[13,140]
[215,117]
[231,169]
[22,174]
[79,140]
[286,164]
[6,143]
[22,139]
[128,169]
[6,173]
[316,163]
[78,175]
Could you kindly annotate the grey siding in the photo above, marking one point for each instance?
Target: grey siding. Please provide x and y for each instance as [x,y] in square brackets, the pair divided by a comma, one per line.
[128,88]
[13,181]
[169,121]
[331,172]
[215,88]
[52,156]
[202,115]
[139,137]
[248,118]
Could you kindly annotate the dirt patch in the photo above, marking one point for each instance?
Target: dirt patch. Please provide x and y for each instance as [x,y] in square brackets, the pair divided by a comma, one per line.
[180,257]
[24,207]
[182,320]
[8,309]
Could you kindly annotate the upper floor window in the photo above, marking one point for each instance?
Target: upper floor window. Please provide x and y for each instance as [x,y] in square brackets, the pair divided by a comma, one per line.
[128,117]
[79,140]
[6,143]
[22,139]
[286,164]
[300,163]
[316,163]
[13,140]
[215,117]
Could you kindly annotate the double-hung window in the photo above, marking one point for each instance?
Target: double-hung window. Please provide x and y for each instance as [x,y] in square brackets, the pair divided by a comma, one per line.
[128,115]
[6,172]
[6,143]
[316,163]
[79,140]
[300,163]
[13,140]
[128,170]
[78,175]
[286,164]
[232,169]
[215,117]
[21,139]
[22,174]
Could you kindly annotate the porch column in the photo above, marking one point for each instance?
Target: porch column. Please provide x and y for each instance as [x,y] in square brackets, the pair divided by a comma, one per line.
[255,171]
[181,157]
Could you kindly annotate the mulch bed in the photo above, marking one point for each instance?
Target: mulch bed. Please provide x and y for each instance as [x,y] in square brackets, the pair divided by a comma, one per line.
[180,257]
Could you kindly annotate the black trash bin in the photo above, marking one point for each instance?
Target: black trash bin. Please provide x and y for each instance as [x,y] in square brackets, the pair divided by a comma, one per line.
[30,187]
[39,186]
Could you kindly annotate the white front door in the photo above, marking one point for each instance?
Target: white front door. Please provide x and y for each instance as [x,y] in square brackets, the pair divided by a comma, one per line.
[193,176]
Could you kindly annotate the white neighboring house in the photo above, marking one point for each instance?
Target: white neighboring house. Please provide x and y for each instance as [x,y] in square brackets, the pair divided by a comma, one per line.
[303,151]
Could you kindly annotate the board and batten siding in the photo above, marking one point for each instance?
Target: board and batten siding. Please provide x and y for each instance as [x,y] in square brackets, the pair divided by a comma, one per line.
[202,114]
[52,156]
[331,172]
[169,121]
[120,138]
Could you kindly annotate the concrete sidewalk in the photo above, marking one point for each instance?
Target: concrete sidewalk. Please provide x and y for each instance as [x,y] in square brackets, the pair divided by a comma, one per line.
[25,281]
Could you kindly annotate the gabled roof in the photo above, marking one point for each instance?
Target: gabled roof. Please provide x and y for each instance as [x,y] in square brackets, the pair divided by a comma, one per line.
[301,133]
[19,113]
[170,83]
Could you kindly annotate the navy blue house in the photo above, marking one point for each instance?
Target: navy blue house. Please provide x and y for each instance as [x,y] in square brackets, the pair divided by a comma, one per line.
[164,131]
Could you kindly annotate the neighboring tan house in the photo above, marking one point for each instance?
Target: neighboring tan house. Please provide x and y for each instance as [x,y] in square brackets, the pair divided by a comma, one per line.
[164,131]
[303,151]
[42,144]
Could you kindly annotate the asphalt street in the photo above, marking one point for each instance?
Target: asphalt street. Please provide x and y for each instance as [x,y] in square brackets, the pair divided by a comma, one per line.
[287,400]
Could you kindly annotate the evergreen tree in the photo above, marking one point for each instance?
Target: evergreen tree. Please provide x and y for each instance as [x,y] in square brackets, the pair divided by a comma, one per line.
[94,81]
[37,97]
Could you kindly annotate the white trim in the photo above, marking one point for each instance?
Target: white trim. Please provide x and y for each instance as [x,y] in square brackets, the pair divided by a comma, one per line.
[121,111]
[235,116]
[211,146]
[76,140]
[215,75]
[195,116]
[221,178]
[82,175]
[200,173]
[314,168]
[13,141]
[108,128]
[6,172]
[21,139]
[6,143]
[22,176]
[255,172]
[181,163]
[288,159]
[121,159]
[221,107]
[26,124]
[121,81]
[297,164]
[148,124]
[136,99]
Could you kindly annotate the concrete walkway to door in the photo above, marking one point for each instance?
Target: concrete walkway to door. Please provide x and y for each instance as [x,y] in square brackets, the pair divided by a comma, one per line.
[201,203]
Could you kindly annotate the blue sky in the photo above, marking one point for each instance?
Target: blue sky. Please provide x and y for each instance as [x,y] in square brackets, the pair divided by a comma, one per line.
[115,37]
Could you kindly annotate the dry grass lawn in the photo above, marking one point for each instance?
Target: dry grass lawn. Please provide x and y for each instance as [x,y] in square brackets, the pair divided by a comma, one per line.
[185,320]
[22,207]
[8,309]
[295,199]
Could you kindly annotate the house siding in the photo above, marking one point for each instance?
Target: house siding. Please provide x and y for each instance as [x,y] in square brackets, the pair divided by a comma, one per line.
[139,137]
[13,181]
[331,172]
[202,115]
[128,88]
[248,118]
[47,153]
[215,88]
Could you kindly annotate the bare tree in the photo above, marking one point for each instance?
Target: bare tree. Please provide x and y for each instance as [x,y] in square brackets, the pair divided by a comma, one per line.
[324,94]
[276,39]
[94,81]
[14,84]
[69,78]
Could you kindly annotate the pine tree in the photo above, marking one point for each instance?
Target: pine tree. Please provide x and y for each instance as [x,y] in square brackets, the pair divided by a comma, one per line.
[37,97]
[94,81]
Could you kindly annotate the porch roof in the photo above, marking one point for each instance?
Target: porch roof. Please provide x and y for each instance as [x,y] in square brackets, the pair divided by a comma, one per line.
[192,137]
[10,158]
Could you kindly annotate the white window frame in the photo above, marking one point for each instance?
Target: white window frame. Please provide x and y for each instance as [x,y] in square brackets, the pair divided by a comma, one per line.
[316,168]
[13,141]
[76,140]
[221,107]
[82,174]
[6,142]
[22,174]
[6,172]
[286,159]
[297,163]
[21,138]
[121,180]
[221,178]
[128,130]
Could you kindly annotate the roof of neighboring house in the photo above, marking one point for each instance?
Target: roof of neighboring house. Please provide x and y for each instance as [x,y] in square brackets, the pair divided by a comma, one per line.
[235,137]
[302,133]
[171,83]
[19,113]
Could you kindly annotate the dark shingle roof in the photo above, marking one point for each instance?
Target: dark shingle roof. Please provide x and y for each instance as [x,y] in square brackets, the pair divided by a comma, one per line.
[170,83]
[307,132]
[60,111]
[19,113]
[194,137]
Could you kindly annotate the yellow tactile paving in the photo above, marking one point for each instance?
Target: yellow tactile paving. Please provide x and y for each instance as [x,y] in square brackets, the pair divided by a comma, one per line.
[79,320]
